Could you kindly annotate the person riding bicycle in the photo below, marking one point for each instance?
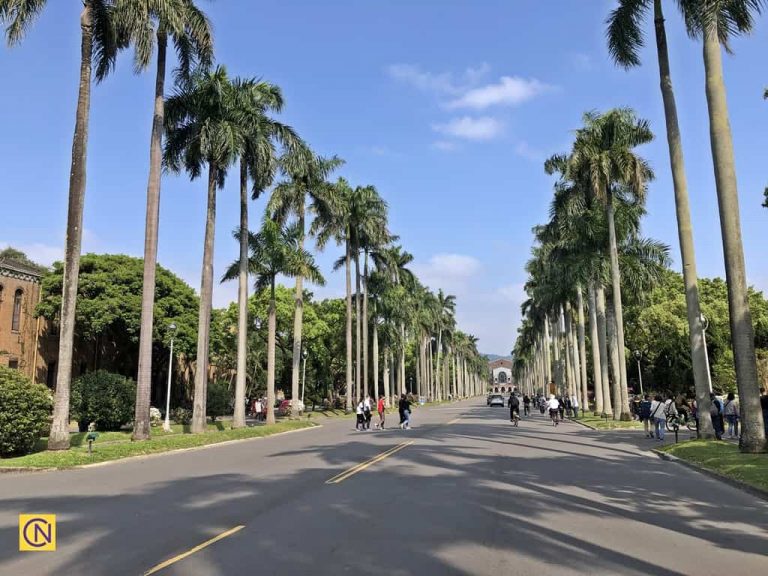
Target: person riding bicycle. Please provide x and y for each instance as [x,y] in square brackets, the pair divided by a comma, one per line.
[554,408]
[514,408]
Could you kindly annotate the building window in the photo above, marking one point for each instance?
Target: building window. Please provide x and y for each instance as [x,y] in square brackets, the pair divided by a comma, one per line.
[16,320]
[13,364]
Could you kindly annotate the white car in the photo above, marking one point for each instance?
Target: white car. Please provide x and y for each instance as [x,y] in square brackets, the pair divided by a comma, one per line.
[496,400]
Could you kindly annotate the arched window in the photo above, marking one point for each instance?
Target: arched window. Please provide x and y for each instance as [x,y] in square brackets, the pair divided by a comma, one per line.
[502,377]
[16,319]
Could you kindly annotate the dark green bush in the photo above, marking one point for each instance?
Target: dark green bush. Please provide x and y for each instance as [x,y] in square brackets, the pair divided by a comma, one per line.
[104,398]
[219,400]
[25,410]
[181,415]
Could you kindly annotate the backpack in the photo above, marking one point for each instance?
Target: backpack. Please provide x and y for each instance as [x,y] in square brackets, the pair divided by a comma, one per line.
[717,408]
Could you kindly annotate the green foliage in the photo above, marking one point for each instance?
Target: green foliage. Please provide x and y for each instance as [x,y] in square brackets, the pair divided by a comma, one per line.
[218,399]
[181,415]
[25,410]
[10,253]
[104,398]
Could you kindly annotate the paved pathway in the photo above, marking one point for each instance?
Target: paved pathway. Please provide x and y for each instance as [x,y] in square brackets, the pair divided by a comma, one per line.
[461,493]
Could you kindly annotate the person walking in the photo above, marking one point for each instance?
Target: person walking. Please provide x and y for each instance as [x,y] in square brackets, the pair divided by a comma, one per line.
[259,409]
[644,413]
[360,414]
[526,405]
[716,412]
[367,412]
[381,408]
[561,408]
[575,406]
[657,415]
[764,408]
[731,412]
[405,412]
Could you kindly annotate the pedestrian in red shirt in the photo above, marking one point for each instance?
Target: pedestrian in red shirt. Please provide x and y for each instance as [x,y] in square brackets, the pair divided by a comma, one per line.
[380,408]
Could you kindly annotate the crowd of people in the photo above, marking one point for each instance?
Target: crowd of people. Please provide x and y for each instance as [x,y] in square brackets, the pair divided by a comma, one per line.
[364,413]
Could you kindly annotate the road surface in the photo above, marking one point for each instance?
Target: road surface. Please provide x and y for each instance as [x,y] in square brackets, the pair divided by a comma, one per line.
[463,492]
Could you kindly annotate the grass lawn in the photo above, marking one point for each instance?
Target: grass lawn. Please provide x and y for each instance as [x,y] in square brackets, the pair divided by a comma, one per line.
[725,459]
[602,424]
[117,445]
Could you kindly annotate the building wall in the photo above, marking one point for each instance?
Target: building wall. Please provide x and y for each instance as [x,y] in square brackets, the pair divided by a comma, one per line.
[17,347]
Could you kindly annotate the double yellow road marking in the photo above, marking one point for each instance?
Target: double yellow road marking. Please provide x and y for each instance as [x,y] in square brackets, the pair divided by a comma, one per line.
[193,550]
[362,466]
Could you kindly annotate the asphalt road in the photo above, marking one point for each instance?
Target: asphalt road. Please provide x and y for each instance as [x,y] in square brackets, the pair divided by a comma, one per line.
[463,492]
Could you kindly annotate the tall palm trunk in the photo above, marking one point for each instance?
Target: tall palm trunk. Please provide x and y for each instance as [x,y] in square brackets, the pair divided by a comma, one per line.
[365,323]
[298,321]
[613,351]
[684,229]
[602,338]
[59,436]
[594,341]
[403,389]
[618,310]
[582,350]
[440,380]
[431,370]
[568,353]
[348,270]
[358,327]
[547,358]
[419,371]
[271,334]
[385,377]
[141,428]
[742,333]
[238,420]
[556,347]
[375,356]
[204,316]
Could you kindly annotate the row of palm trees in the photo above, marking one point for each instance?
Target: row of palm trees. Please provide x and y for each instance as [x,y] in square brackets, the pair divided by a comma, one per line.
[714,22]
[211,123]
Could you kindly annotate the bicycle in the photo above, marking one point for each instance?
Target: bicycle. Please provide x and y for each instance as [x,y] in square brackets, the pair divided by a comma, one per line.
[515,419]
[680,420]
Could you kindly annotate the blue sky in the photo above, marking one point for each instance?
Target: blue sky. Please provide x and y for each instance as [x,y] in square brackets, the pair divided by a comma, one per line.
[448,107]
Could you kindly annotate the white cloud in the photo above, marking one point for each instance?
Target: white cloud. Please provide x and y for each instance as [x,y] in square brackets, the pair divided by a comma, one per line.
[525,150]
[508,91]
[514,293]
[451,272]
[444,83]
[44,254]
[581,60]
[445,145]
[469,128]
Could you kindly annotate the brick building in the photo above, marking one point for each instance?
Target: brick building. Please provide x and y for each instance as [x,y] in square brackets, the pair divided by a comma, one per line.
[19,329]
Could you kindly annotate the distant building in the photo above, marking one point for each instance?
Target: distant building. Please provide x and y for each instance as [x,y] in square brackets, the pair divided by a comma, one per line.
[500,375]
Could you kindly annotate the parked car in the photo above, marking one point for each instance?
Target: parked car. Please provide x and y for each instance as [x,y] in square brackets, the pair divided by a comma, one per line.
[496,400]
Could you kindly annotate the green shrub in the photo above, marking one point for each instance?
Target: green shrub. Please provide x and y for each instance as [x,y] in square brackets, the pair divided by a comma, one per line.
[181,415]
[219,400]
[104,398]
[25,410]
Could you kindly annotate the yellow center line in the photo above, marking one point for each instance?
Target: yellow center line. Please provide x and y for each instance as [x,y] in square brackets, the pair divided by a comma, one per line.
[362,466]
[193,550]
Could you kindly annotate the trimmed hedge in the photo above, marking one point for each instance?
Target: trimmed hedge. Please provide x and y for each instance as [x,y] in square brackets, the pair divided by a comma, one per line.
[218,400]
[25,412]
[104,398]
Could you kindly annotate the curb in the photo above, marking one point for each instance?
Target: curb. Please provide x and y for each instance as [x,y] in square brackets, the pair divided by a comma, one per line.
[587,425]
[22,470]
[738,484]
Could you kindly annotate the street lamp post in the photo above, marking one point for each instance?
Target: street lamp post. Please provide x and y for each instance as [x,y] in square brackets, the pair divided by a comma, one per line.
[705,321]
[303,374]
[167,423]
[638,356]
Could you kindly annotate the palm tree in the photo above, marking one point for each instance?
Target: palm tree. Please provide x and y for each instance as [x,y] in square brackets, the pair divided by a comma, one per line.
[446,305]
[306,179]
[150,23]
[258,163]
[332,222]
[603,155]
[625,38]
[204,128]
[715,21]
[274,250]
[98,45]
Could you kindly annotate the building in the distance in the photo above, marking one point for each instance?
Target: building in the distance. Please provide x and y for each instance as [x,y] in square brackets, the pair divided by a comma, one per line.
[500,371]
[19,329]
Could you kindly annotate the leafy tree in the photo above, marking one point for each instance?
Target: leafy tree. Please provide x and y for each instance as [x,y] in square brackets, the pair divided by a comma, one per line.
[10,253]
[108,320]
[104,398]
[98,46]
